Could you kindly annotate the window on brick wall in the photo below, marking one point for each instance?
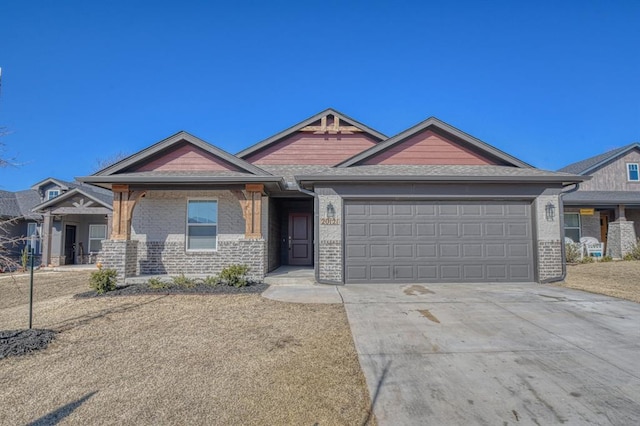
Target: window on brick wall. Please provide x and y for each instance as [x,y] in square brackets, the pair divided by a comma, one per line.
[202,224]
[97,233]
[572,226]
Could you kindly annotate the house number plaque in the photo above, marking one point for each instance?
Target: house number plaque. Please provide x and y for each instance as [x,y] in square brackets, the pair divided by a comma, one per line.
[329,221]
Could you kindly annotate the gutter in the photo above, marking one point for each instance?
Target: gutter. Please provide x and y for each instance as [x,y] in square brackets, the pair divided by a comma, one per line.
[316,232]
[441,178]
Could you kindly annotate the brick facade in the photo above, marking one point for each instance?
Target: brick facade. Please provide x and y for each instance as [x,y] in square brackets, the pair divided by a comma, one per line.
[158,242]
[549,260]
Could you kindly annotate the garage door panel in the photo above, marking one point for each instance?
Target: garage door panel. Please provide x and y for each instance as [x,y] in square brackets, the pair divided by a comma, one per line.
[403,251]
[473,272]
[496,272]
[427,251]
[403,230]
[409,241]
[380,251]
[448,230]
[356,230]
[425,229]
[379,229]
[427,272]
[381,272]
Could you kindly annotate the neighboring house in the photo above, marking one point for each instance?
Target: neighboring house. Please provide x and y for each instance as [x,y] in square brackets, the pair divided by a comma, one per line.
[67,221]
[431,204]
[607,206]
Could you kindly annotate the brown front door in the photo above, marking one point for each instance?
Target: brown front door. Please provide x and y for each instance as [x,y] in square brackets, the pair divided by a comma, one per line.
[300,239]
[604,227]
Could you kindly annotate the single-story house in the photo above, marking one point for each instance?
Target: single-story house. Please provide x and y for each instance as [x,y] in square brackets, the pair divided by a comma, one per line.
[67,221]
[430,204]
[607,206]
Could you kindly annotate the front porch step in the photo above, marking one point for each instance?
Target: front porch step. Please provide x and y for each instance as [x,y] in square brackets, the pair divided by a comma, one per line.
[291,275]
[283,280]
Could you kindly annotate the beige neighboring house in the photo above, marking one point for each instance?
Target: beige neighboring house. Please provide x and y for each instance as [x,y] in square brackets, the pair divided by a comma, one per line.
[607,206]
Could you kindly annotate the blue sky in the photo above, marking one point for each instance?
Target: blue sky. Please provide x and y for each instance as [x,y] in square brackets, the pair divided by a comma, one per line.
[550,82]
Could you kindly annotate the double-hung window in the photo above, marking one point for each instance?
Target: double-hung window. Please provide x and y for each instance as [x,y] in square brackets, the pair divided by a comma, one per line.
[33,235]
[202,224]
[632,172]
[572,226]
[97,233]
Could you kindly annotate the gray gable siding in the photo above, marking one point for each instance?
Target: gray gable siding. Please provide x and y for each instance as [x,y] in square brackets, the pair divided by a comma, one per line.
[613,176]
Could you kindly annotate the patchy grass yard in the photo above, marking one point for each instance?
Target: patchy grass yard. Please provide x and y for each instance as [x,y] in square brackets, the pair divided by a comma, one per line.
[215,359]
[617,279]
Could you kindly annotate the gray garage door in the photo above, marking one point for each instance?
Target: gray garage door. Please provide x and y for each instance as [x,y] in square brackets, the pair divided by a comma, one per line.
[430,241]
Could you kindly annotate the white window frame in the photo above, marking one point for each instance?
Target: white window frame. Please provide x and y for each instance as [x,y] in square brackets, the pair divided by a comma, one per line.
[579,227]
[186,232]
[38,239]
[637,170]
[52,191]
[99,239]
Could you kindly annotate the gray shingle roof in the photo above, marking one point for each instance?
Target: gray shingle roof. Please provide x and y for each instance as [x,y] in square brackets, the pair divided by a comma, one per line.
[438,170]
[9,205]
[602,197]
[586,165]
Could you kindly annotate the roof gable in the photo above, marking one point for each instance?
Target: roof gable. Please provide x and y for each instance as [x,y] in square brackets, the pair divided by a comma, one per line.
[590,164]
[326,138]
[77,198]
[181,151]
[433,142]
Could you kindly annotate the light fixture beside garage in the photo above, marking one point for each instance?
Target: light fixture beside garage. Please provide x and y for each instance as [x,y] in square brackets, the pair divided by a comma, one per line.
[331,211]
[550,211]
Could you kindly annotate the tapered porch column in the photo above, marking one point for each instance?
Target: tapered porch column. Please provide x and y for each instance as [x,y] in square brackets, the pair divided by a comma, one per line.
[252,209]
[45,238]
[124,201]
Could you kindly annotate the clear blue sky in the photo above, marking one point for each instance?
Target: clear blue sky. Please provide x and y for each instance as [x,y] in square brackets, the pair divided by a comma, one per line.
[550,82]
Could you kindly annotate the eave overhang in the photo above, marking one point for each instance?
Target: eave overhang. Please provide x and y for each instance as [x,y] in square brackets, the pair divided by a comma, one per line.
[563,180]
[181,181]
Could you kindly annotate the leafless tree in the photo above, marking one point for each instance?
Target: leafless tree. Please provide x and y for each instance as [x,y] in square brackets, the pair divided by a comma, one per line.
[103,163]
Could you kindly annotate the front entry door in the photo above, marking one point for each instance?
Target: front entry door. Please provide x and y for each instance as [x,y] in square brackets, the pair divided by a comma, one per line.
[300,239]
[70,244]
[604,227]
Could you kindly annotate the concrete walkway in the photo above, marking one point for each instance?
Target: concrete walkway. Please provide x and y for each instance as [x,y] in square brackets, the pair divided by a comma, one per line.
[499,354]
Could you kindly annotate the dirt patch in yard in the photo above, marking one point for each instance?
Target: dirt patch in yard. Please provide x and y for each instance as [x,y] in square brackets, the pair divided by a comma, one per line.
[204,359]
[22,342]
[617,279]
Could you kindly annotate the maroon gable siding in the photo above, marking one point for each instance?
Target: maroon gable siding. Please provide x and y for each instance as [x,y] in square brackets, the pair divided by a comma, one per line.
[429,148]
[313,149]
[185,157]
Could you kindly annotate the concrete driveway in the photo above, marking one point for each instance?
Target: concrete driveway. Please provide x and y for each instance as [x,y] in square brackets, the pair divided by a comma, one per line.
[496,354]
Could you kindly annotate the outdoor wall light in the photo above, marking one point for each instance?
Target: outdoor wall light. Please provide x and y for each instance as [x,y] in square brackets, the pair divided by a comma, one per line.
[331,211]
[550,211]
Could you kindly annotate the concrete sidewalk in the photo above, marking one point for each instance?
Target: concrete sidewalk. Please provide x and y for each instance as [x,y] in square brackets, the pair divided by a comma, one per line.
[459,354]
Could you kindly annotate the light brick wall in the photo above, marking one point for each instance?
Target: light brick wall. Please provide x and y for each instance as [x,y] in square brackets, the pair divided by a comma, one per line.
[549,237]
[158,244]
[330,236]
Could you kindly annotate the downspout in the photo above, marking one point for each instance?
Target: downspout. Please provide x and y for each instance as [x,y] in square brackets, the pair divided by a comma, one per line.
[562,244]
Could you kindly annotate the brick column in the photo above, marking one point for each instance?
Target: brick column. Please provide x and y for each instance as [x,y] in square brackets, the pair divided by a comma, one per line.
[621,237]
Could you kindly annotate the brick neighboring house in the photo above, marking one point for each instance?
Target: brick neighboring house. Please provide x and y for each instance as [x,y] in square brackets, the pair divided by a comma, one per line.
[431,204]
[607,206]
[67,220]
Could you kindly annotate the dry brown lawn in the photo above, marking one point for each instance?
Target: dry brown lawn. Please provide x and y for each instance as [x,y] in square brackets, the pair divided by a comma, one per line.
[617,279]
[182,359]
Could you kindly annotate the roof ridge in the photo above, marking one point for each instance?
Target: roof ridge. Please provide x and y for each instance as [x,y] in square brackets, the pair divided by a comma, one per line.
[590,163]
